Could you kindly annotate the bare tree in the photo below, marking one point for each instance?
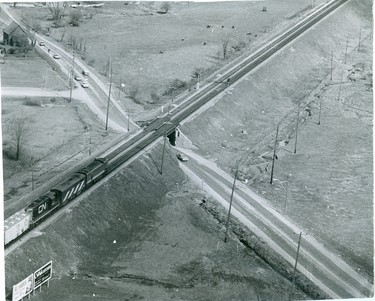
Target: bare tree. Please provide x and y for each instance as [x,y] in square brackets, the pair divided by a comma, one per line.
[63,34]
[75,16]
[57,10]
[19,129]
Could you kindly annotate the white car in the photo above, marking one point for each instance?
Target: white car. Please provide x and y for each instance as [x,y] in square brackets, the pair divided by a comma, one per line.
[56,57]
[84,85]
[182,157]
[85,72]
[42,44]
[77,78]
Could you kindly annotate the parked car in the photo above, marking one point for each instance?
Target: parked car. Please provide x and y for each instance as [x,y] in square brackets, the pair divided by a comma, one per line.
[56,57]
[182,157]
[84,85]
[77,78]
[85,72]
[42,44]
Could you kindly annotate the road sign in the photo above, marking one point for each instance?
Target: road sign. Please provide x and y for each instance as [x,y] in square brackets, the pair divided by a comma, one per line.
[42,275]
[23,288]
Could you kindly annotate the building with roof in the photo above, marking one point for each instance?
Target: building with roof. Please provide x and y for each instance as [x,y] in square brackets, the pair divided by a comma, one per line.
[12,34]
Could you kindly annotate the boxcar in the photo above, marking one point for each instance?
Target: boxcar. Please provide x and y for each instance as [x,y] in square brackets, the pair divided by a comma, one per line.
[70,188]
[15,225]
[94,171]
[44,205]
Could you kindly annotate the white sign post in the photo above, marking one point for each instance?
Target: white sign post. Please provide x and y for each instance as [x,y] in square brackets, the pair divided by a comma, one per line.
[23,288]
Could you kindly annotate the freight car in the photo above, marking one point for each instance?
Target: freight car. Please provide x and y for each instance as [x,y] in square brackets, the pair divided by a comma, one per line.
[59,196]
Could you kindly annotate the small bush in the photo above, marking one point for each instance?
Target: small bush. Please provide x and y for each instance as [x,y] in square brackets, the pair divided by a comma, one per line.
[53,100]
[11,50]
[154,96]
[32,102]
[91,62]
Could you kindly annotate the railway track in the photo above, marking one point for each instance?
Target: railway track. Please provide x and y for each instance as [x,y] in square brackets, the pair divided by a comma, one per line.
[167,123]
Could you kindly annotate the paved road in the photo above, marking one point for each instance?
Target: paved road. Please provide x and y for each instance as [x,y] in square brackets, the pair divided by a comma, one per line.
[317,262]
[96,96]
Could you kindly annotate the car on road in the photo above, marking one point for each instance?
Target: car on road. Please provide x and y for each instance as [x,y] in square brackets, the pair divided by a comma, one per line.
[182,157]
[84,85]
[56,57]
[77,78]
[85,72]
[42,44]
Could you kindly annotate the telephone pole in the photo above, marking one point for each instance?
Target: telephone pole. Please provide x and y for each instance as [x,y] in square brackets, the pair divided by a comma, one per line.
[230,204]
[109,93]
[274,153]
[295,268]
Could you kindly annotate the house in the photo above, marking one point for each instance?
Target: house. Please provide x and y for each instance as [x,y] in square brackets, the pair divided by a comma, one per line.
[12,34]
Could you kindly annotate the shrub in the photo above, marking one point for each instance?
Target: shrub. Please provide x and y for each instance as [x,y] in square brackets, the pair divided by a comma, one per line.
[32,102]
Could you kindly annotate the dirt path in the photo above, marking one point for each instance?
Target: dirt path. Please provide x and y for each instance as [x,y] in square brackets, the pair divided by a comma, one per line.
[316,261]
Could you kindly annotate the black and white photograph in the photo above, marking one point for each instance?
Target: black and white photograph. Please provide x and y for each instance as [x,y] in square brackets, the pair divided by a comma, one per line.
[187,150]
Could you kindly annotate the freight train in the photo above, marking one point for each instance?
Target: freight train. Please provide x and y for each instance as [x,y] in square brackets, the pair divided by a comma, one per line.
[25,219]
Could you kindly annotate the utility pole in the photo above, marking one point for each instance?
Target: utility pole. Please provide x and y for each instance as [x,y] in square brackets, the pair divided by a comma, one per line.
[230,204]
[331,63]
[71,80]
[295,268]
[295,144]
[165,139]
[274,153]
[320,109]
[109,93]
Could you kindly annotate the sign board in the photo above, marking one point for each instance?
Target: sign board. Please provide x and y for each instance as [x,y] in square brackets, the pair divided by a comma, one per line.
[23,288]
[42,275]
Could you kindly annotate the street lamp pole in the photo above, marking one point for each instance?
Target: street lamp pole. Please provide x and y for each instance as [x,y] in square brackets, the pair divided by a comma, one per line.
[295,268]
[109,93]
[331,63]
[230,204]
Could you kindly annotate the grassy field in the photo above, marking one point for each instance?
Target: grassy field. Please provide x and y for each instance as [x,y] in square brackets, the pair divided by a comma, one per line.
[330,187]
[52,133]
[30,71]
[134,35]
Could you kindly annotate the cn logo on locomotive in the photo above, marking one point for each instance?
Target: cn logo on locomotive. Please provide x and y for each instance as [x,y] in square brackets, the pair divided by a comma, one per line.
[42,207]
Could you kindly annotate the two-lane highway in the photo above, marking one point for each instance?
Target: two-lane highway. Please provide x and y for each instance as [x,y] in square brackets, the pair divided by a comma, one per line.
[327,270]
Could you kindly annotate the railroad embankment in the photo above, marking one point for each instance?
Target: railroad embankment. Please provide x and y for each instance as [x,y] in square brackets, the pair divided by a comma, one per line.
[142,235]
[328,181]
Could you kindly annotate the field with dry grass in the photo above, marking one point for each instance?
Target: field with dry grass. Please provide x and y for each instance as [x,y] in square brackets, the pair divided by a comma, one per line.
[153,238]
